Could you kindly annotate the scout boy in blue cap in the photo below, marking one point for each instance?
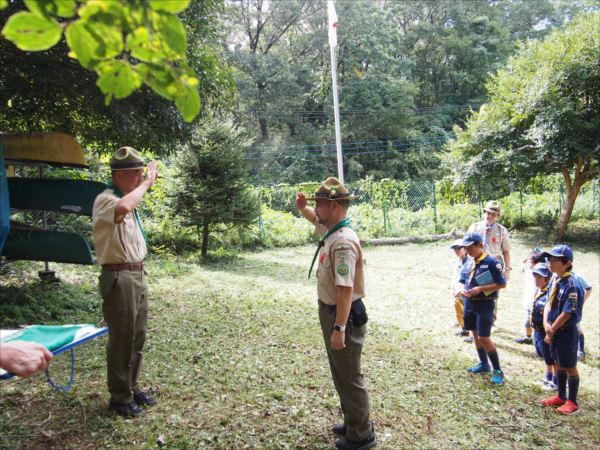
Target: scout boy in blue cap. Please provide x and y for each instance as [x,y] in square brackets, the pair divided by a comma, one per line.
[541,275]
[561,315]
[463,265]
[480,292]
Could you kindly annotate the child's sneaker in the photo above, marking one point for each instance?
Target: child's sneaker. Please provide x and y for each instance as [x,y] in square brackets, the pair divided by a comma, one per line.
[479,368]
[568,408]
[497,377]
[553,401]
[549,386]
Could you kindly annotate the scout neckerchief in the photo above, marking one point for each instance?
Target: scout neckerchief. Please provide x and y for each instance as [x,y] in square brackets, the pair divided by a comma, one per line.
[118,193]
[342,224]
[477,262]
[554,291]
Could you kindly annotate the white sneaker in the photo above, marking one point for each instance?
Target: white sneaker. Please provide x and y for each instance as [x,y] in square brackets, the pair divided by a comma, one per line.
[549,386]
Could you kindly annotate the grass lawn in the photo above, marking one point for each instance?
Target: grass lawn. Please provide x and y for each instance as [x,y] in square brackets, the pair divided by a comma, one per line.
[236,359]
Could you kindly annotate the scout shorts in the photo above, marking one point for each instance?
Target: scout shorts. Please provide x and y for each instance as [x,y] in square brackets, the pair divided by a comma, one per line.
[481,321]
[564,347]
[541,348]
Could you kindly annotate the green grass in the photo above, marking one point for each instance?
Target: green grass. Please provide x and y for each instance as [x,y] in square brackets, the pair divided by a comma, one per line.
[236,359]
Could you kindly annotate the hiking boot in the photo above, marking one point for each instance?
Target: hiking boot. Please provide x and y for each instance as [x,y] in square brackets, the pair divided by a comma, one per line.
[497,377]
[479,368]
[339,429]
[524,340]
[363,444]
[142,398]
[553,401]
[130,410]
[568,408]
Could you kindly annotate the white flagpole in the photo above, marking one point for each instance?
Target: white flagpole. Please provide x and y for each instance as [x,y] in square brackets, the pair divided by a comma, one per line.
[332,32]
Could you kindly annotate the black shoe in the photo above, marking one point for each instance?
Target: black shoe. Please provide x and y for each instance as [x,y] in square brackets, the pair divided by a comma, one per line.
[348,444]
[142,398]
[524,340]
[130,410]
[339,429]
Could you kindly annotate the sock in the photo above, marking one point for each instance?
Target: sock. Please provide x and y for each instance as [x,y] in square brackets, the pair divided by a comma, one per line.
[494,359]
[555,380]
[483,356]
[562,384]
[573,388]
[548,376]
[581,342]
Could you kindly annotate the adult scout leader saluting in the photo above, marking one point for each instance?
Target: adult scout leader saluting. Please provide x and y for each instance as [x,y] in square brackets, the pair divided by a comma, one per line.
[120,249]
[342,314]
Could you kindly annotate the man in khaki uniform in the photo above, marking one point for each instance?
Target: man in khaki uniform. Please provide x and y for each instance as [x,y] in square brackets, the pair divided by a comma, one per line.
[120,249]
[342,314]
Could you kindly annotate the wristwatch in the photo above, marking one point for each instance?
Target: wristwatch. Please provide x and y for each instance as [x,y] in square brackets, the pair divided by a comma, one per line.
[340,328]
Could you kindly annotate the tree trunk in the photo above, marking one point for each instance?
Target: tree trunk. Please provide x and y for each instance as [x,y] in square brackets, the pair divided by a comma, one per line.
[572,190]
[205,232]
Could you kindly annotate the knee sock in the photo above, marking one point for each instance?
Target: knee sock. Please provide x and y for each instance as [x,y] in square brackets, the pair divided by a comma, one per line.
[573,388]
[494,359]
[581,343]
[562,384]
[555,380]
[483,356]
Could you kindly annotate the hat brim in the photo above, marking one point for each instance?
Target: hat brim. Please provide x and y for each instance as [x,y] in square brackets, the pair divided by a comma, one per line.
[467,243]
[335,199]
[129,167]
[556,255]
[542,274]
[491,211]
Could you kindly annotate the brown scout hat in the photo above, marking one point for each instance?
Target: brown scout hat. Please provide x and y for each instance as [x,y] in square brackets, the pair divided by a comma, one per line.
[126,158]
[492,206]
[332,189]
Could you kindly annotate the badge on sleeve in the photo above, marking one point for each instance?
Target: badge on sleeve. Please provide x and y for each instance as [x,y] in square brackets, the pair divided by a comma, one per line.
[342,267]
[499,266]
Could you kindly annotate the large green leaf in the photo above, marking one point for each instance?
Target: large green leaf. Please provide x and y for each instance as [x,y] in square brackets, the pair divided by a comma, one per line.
[117,78]
[160,78]
[171,6]
[3,4]
[46,8]
[172,33]
[188,102]
[31,32]
[82,43]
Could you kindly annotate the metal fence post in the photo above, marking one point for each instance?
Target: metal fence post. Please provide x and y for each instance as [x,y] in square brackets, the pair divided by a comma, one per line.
[435,224]
[385,217]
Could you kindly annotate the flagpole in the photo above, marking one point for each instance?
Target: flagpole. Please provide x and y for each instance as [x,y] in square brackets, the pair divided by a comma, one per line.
[332,20]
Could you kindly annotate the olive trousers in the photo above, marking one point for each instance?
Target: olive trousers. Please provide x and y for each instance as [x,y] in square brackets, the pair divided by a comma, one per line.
[347,376]
[125,308]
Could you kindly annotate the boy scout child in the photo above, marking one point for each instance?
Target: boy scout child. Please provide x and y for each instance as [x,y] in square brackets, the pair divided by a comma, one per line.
[340,287]
[561,315]
[120,249]
[463,264]
[481,290]
[541,276]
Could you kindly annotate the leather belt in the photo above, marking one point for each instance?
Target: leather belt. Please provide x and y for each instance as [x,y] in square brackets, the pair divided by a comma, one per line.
[124,266]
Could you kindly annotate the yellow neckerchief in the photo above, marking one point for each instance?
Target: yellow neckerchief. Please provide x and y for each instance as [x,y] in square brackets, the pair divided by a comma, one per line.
[477,262]
[554,291]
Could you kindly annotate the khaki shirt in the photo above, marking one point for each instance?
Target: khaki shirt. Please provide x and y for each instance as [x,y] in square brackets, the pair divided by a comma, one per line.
[115,243]
[340,264]
[495,238]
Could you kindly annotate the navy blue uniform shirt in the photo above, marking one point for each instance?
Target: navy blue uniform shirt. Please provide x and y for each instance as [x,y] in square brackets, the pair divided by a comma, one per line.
[537,311]
[569,299]
[494,268]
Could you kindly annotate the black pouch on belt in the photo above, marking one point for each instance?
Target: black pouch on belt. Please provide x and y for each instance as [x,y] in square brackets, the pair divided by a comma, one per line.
[358,313]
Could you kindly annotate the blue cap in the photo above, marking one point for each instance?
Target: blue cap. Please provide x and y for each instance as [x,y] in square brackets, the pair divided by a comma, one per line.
[471,238]
[560,251]
[456,244]
[541,269]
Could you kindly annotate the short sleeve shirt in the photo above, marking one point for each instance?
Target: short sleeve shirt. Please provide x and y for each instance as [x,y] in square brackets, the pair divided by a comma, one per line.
[495,238]
[115,243]
[494,267]
[537,311]
[462,271]
[569,299]
[340,264]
